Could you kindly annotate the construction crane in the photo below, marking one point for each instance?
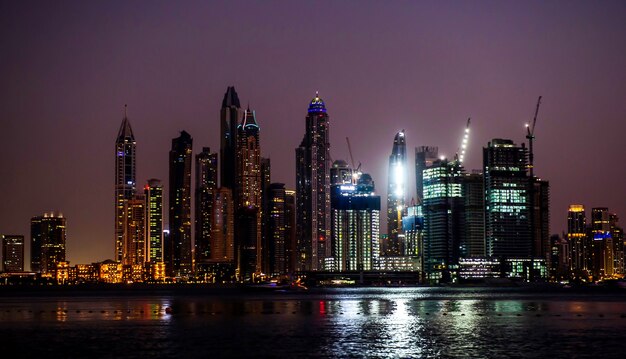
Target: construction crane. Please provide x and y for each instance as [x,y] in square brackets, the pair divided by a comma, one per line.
[461,156]
[355,171]
[530,135]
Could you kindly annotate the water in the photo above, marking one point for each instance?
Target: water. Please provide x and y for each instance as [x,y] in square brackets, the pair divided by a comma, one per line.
[354,323]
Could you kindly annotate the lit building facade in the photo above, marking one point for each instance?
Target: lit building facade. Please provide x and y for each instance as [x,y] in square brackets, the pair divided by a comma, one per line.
[248,195]
[125,180]
[278,230]
[507,209]
[178,256]
[602,244]
[396,194]
[355,223]
[48,236]
[134,248]
[425,156]
[153,192]
[578,240]
[313,189]
[443,205]
[12,253]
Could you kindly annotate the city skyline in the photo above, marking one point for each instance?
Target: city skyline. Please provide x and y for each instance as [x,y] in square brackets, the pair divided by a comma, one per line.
[71,173]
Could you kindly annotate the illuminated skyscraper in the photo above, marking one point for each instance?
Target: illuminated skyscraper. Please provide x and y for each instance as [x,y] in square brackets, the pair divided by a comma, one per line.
[277,227]
[12,253]
[47,246]
[424,158]
[125,179]
[601,244]
[578,241]
[617,233]
[396,194]
[230,115]
[179,255]
[248,195]
[134,248]
[153,193]
[506,202]
[206,184]
[356,222]
[443,206]
[313,189]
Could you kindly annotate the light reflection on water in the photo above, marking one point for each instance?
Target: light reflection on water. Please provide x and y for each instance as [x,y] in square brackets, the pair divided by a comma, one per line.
[395,322]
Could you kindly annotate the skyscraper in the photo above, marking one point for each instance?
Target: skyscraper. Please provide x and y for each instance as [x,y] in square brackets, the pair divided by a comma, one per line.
[541,223]
[134,248]
[443,206]
[277,228]
[248,194]
[313,189]
[601,244]
[12,253]
[222,227]
[47,248]
[206,184]
[474,196]
[291,245]
[506,200]
[424,158]
[180,260]
[230,115]
[153,193]
[578,241]
[396,194]
[125,179]
[356,226]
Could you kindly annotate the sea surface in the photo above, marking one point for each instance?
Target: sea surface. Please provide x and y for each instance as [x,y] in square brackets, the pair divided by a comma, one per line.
[421,322]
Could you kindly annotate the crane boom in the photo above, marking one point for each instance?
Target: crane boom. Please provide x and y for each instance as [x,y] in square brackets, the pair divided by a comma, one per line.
[465,139]
[350,151]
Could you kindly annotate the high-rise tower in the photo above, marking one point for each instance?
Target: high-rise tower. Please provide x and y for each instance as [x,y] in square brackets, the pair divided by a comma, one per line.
[206,184]
[313,189]
[47,246]
[507,205]
[396,194]
[230,115]
[248,195]
[153,192]
[179,256]
[125,179]
[579,245]
[12,253]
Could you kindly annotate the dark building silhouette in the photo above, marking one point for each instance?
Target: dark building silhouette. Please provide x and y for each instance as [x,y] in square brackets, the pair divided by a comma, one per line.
[179,253]
[47,245]
[247,243]
[125,180]
[230,115]
[474,196]
[313,189]
[206,184]
[277,228]
[12,253]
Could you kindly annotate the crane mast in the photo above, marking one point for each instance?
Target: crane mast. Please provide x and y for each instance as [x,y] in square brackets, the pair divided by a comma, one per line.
[530,135]
[461,156]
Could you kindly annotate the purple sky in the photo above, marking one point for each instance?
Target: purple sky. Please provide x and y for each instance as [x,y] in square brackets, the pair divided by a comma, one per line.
[68,68]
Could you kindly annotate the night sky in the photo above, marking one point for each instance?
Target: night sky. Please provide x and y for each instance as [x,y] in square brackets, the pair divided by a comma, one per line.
[68,68]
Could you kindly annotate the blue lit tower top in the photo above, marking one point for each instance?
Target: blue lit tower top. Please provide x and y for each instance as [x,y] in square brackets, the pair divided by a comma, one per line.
[317,104]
